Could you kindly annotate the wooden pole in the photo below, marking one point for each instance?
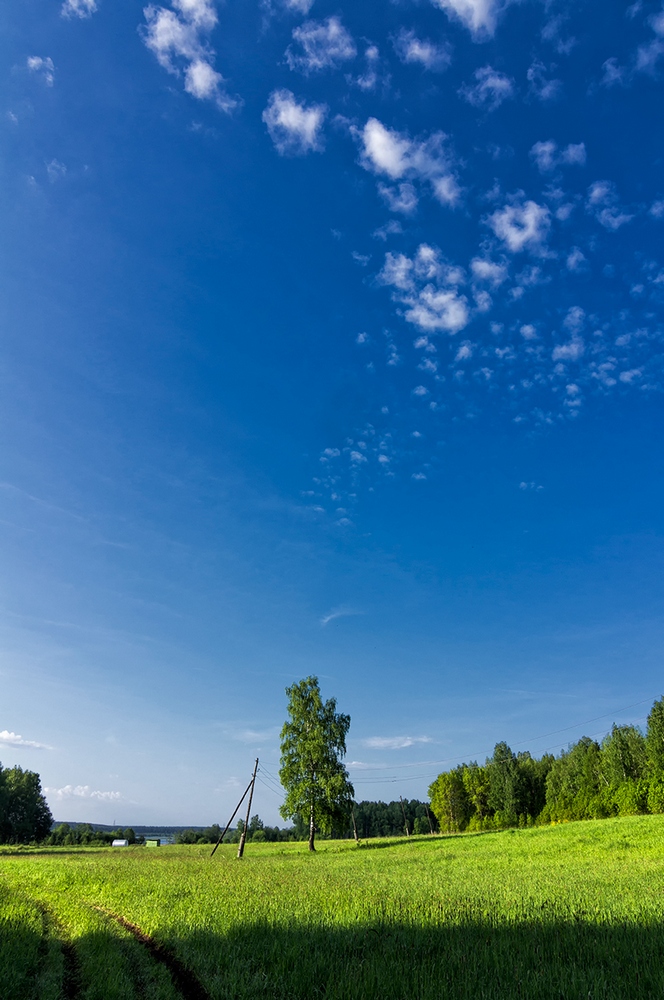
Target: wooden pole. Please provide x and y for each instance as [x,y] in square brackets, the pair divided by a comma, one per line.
[428,817]
[352,812]
[243,836]
[231,819]
[405,821]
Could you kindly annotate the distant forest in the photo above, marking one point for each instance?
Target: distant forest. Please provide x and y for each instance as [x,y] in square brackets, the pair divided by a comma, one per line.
[621,776]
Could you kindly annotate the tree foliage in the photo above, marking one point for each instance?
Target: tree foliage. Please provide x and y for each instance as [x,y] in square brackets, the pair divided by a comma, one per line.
[622,776]
[313,744]
[24,812]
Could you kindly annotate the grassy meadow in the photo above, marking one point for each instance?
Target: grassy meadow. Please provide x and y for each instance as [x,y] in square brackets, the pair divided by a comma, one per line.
[571,911]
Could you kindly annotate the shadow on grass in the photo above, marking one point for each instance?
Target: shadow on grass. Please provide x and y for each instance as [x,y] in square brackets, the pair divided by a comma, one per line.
[476,959]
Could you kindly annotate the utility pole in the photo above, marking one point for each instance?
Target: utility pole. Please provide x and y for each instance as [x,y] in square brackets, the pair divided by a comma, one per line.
[352,812]
[428,817]
[228,825]
[240,849]
[405,821]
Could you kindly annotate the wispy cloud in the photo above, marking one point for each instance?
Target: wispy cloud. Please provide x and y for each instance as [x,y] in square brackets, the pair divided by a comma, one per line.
[250,735]
[15,740]
[340,612]
[43,67]
[490,89]
[320,45]
[80,792]
[394,742]
[411,49]
[78,8]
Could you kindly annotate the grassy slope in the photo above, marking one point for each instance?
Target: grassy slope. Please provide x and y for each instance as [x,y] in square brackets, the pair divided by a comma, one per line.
[571,911]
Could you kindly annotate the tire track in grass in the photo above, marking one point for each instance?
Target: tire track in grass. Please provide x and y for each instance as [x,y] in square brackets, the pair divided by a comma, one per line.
[186,981]
[71,976]
[53,930]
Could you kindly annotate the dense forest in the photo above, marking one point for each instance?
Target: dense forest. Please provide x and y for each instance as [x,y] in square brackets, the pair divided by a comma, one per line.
[623,775]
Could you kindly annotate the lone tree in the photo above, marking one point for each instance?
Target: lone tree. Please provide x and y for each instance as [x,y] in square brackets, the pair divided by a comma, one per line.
[24,812]
[313,743]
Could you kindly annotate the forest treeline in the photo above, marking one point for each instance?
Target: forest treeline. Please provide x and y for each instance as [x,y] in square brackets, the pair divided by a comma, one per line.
[372,819]
[621,776]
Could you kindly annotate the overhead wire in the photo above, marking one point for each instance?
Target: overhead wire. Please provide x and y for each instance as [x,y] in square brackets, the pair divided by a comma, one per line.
[482,753]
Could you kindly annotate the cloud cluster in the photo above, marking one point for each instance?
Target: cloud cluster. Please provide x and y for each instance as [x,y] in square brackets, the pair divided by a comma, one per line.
[42,66]
[521,225]
[603,202]
[548,157]
[294,127]
[320,45]
[80,792]
[178,39]
[9,739]
[392,154]
[428,288]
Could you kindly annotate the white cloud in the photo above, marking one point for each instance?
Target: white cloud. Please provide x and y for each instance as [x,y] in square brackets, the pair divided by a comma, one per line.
[395,742]
[428,287]
[78,8]
[412,49]
[369,79]
[401,198]
[42,66]
[521,225]
[490,90]
[548,157]
[294,127]
[613,73]
[55,170]
[541,87]
[80,792]
[576,260]
[649,55]
[391,228]
[479,16]
[488,271]
[657,209]
[324,45]
[396,155]
[178,40]
[299,6]
[603,203]
[571,351]
[15,740]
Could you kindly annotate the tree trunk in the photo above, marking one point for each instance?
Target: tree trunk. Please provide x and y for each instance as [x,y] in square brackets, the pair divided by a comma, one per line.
[312,830]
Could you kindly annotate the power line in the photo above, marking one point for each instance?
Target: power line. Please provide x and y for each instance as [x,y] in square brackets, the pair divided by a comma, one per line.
[532,739]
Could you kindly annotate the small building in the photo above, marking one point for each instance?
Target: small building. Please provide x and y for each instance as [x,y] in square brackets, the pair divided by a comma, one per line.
[120,843]
[153,842]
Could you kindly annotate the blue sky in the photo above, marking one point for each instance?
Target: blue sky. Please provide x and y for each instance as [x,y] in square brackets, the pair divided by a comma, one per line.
[331,343]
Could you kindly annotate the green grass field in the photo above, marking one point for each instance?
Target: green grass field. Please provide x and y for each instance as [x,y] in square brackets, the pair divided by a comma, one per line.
[573,911]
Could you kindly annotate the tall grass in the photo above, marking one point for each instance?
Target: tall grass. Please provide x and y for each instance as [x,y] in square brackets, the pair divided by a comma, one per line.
[570,911]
